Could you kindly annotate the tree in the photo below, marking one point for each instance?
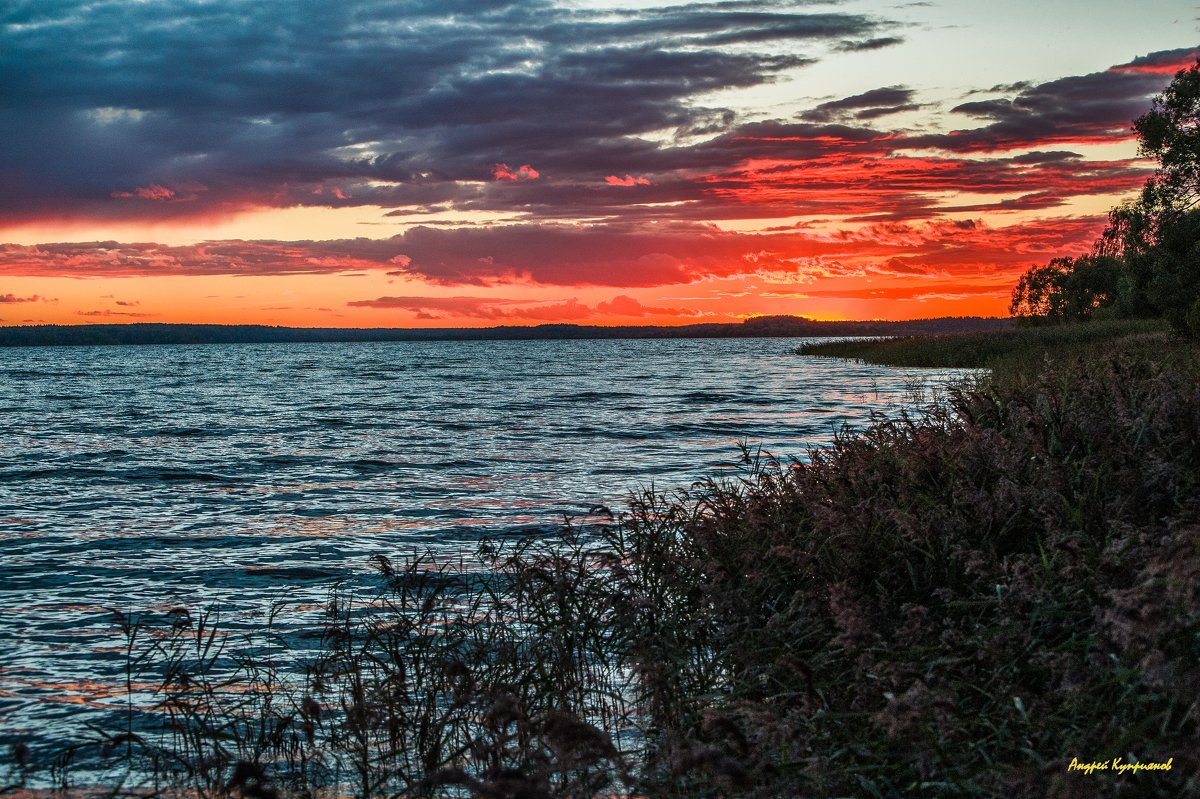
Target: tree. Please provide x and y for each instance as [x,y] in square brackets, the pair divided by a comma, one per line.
[1147,262]
[1068,289]
[1160,234]
[1170,133]
[1169,272]
[1038,294]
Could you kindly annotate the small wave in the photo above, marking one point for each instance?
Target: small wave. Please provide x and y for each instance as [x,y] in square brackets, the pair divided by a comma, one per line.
[287,460]
[172,474]
[593,396]
[293,572]
[41,373]
[461,463]
[64,472]
[104,454]
[701,428]
[458,426]
[370,466]
[333,421]
[708,397]
[183,432]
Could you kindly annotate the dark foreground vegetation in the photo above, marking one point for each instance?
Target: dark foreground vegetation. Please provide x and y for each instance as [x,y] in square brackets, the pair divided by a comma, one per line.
[960,604]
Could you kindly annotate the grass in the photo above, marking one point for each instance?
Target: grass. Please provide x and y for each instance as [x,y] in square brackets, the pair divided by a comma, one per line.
[1022,347]
[944,606]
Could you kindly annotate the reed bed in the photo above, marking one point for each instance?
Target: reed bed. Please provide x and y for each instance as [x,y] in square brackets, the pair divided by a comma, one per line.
[1017,349]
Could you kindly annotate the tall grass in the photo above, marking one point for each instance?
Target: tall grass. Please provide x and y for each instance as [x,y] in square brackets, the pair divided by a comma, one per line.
[495,676]
[951,605]
[1022,348]
[959,604]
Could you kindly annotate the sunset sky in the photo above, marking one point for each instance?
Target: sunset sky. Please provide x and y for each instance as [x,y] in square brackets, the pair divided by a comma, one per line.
[457,163]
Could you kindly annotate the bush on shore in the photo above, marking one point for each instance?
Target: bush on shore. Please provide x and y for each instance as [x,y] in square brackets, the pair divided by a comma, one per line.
[959,604]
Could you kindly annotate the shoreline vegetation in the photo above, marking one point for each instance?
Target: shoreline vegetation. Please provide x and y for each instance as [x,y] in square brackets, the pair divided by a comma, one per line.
[961,603]
[1017,350]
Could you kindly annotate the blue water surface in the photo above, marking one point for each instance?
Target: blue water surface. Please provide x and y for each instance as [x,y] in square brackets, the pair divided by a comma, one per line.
[234,476]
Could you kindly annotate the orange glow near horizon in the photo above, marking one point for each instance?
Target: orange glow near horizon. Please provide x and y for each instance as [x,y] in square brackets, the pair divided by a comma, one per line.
[886,270]
[330,301]
[317,269]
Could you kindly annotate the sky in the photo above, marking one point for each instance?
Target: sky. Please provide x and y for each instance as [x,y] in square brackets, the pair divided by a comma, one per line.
[445,163]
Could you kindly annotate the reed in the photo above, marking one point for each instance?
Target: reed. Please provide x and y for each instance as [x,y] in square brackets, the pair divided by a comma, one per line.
[1023,348]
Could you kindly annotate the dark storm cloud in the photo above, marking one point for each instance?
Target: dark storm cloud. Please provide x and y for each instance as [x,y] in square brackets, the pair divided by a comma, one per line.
[868,105]
[877,43]
[1099,107]
[172,108]
[1040,157]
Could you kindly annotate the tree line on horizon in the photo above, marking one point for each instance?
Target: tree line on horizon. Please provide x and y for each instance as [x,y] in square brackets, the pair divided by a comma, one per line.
[1146,263]
[755,327]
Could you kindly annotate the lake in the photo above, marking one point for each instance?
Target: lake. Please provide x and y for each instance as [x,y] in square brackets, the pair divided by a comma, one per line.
[234,476]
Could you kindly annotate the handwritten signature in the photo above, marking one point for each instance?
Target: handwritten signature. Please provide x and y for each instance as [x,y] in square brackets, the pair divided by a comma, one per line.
[1117,766]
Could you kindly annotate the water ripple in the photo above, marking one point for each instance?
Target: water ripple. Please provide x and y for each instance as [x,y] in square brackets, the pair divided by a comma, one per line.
[158,477]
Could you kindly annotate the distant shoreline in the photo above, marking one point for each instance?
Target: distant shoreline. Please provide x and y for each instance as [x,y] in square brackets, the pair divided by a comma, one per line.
[760,326]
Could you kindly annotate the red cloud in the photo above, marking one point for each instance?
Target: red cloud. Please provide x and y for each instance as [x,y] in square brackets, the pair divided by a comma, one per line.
[159,193]
[12,298]
[624,256]
[1165,62]
[502,309]
[336,191]
[624,305]
[628,180]
[491,308]
[524,172]
[106,313]
[151,192]
[872,184]
[940,290]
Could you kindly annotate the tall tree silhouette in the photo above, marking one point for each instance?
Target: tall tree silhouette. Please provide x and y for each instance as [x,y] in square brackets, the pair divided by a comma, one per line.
[1147,261]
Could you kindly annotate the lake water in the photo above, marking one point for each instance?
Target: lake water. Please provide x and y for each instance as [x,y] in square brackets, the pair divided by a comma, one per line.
[236,475]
